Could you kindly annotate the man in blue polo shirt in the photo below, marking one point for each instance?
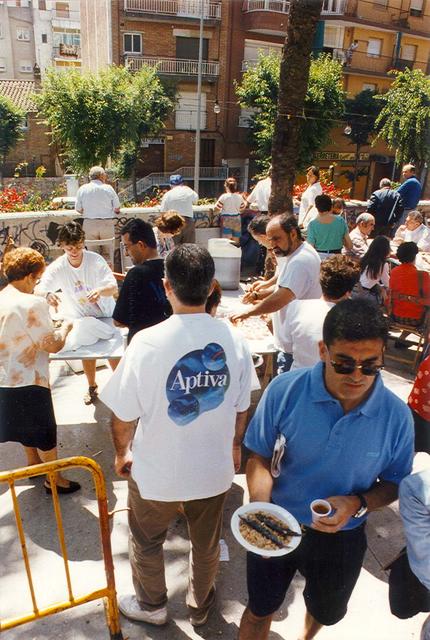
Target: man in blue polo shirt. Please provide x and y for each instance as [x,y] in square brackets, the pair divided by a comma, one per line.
[410,191]
[348,440]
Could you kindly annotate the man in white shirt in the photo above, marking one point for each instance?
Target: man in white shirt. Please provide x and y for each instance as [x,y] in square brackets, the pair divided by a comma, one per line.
[360,236]
[260,195]
[87,285]
[302,330]
[414,230]
[181,198]
[99,203]
[187,380]
[298,278]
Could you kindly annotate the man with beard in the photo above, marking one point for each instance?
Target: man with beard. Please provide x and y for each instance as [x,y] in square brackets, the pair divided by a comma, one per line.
[298,278]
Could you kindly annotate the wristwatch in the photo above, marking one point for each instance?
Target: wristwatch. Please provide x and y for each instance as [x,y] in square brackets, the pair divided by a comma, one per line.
[362,509]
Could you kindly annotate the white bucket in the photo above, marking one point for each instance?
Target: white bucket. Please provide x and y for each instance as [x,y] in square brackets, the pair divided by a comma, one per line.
[227,262]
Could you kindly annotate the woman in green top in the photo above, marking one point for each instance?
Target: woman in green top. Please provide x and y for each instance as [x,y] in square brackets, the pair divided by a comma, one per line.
[328,233]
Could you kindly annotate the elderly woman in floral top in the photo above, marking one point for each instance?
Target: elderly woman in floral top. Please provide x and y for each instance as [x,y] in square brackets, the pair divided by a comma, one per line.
[27,336]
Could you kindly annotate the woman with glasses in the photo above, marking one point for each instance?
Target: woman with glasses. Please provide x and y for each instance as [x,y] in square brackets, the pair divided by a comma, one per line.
[27,336]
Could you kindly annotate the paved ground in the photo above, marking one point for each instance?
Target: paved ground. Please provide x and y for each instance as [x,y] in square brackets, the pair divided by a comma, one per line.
[83,430]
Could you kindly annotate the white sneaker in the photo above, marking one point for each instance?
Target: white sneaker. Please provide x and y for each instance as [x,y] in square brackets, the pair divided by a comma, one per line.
[130,608]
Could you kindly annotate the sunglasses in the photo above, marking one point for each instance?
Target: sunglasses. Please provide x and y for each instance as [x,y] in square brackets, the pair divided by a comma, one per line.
[346,368]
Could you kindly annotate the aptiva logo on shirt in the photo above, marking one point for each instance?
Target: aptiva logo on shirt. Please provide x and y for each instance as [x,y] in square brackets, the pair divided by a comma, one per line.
[197,383]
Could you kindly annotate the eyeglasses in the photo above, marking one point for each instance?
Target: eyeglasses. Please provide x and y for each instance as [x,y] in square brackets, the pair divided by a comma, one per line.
[346,368]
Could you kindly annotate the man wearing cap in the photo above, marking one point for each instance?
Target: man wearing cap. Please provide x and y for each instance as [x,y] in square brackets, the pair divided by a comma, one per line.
[181,198]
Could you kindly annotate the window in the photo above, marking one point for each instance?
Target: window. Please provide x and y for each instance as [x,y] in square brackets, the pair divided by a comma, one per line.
[253,48]
[62,10]
[245,118]
[333,37]
[2,65]
[22,33]
[188,48]
[44,38]
[42,5]
[369,86]
[409,52]
[132,43]
[69,39]
[416,8]
[374,47]
[26,66]
[1,30]
[186,111]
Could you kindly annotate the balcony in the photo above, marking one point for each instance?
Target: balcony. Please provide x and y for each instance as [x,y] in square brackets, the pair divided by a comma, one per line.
[62,19]
[330,7]
[67,51]
[177,8]
[378,13]
[174,66]
[364,63]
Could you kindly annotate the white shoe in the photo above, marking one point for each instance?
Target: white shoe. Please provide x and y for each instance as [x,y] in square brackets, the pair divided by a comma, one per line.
[130,608]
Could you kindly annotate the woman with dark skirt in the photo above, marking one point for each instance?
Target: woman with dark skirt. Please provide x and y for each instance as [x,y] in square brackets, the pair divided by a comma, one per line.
[27,336]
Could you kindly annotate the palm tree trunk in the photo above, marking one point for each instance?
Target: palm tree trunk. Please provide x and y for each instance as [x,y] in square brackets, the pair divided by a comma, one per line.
[293,84]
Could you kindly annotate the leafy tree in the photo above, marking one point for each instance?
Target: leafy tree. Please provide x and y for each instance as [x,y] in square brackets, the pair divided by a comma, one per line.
[404,121]
[361,113]
[94,116]
[11,118]
[323,103]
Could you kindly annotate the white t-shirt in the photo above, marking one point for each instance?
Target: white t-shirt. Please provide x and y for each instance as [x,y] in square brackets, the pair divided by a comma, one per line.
[421,236]
[301,274]
[180,199]
[97,199]
[24,322]
[260,194]
[302,330]
[308,199]
[76,282]
[231,203]
[185,379]
[383,278]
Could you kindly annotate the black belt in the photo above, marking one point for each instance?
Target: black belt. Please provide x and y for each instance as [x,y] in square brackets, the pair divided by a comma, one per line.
[329,250]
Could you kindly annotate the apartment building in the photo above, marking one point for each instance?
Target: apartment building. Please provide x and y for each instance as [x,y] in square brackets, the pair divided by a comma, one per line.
[386,34]
[38,34]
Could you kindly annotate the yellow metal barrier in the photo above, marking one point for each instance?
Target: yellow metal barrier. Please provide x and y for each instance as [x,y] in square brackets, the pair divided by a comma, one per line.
[108,592]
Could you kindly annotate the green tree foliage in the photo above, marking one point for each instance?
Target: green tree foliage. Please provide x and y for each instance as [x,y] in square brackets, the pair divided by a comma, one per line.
[361,113]
[95,116]
[11,119]
[404,121]
[324,103]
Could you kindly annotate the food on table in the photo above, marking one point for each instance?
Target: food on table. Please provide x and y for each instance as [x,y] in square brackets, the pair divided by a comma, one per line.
[265,531]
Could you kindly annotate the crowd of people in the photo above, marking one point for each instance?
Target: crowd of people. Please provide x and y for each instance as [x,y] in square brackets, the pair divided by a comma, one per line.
[180,394]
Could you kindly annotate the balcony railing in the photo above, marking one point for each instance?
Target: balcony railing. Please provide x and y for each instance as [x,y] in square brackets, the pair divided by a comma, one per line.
[173,66]
[360,61]
[67,51]
[330,7]
[183,8]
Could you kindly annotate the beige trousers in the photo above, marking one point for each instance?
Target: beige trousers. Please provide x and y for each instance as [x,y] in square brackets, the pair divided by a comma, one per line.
[148,521]
[104,230]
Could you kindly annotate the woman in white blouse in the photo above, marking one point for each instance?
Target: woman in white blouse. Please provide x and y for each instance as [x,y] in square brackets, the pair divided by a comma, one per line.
[375,275]
[307,210]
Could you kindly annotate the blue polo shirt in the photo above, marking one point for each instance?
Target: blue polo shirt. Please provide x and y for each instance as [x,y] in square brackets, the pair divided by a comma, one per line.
[410,190]
[328,452]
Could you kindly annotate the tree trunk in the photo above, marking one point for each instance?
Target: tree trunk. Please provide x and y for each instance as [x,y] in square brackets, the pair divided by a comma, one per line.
[293,84]
[354,178]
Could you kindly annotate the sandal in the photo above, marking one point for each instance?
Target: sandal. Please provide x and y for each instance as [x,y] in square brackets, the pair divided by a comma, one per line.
[73,486]
[91,395]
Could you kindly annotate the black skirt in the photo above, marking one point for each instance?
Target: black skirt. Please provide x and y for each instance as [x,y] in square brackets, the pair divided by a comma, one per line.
[27,416]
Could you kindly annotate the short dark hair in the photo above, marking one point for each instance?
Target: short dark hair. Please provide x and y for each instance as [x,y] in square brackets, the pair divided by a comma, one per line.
[338,276]
[288,222]
[140,231]
[338,202]
[258,224]
[214,297]
[71,233]
[190,270]
[355,320]
[323,203]
[407,252]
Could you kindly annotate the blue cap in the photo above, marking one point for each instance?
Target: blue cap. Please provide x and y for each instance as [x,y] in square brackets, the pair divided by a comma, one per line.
[176,179]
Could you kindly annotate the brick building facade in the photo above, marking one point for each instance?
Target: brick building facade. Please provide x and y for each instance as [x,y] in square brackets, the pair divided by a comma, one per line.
[389,34]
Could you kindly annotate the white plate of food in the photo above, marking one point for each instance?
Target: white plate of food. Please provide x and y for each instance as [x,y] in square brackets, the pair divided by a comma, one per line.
[266,529]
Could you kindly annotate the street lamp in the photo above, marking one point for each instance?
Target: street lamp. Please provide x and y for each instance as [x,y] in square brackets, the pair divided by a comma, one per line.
[217,108]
